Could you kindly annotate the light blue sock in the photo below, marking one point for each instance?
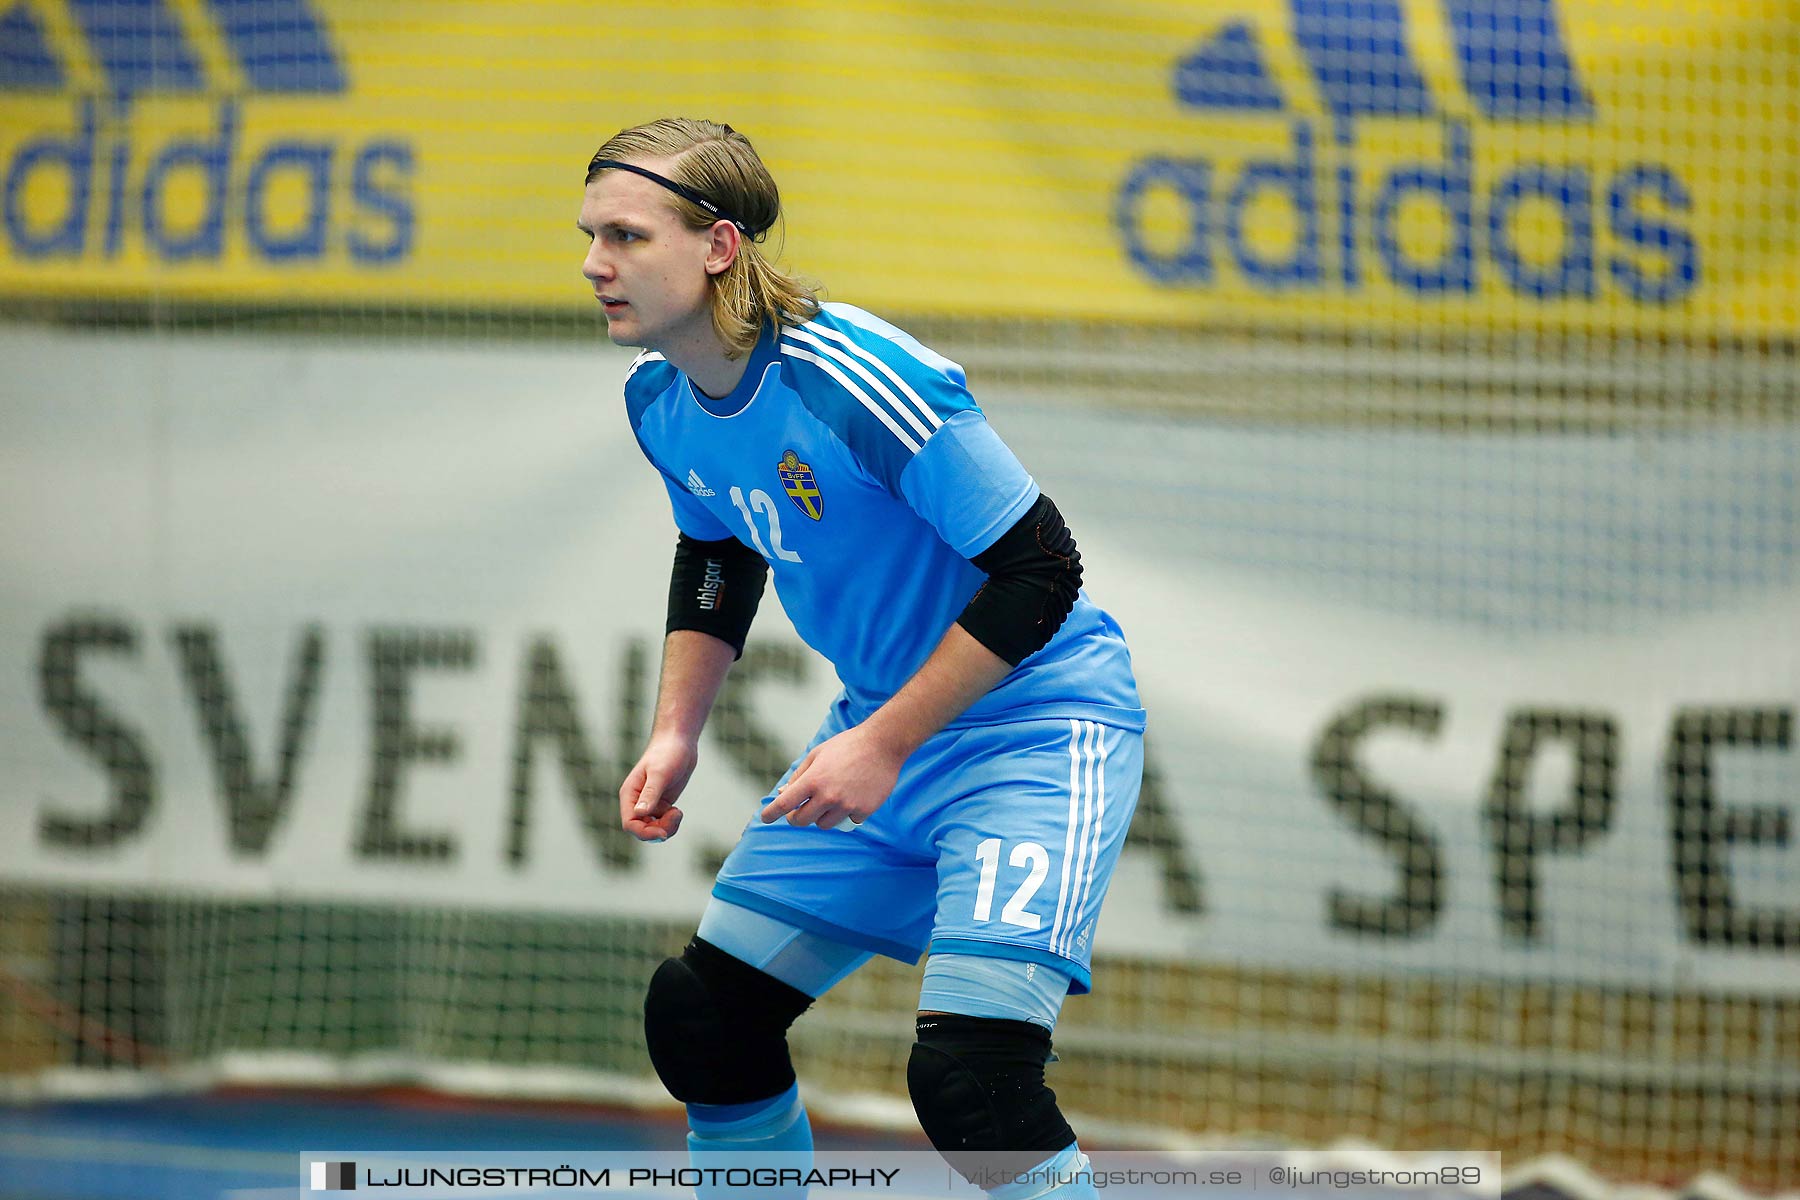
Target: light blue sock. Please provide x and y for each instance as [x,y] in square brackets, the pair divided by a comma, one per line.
[1067,1162]
[762,1133]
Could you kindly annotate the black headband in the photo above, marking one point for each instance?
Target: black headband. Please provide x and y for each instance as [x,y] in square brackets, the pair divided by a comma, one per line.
[680,189]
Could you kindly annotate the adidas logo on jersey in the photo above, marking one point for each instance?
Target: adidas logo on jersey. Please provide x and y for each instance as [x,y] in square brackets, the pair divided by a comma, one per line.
[697,485]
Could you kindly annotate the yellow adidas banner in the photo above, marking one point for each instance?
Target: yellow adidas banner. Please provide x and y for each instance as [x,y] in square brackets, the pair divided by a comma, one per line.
[1605,165]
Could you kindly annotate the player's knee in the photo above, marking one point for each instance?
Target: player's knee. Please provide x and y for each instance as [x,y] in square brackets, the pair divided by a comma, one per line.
[716,1027]
[977,1085]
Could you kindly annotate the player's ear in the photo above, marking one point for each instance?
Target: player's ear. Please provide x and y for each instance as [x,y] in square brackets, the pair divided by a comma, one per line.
[723,248]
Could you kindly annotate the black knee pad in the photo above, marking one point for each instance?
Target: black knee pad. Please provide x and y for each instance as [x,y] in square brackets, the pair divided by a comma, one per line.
[977,1085]
[717,1027]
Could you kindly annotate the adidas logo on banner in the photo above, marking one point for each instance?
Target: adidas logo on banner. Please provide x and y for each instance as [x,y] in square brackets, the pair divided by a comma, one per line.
[143,46]
[334,1177]
[1625,230]
[697,485]
[215,171]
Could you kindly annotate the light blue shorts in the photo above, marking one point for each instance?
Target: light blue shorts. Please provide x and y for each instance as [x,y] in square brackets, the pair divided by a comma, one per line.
[998,840]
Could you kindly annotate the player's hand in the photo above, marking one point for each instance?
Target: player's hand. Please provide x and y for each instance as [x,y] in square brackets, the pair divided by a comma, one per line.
[647,798]
[844,778]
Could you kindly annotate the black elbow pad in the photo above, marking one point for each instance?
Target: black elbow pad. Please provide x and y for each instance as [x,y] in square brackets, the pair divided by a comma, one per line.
[1034,576]
[715,588]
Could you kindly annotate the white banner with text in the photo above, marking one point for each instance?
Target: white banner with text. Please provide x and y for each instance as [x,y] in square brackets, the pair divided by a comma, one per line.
[380,623]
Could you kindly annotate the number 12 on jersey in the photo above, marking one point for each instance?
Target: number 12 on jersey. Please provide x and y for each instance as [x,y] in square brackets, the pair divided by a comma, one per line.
[1029,855]
[764,504]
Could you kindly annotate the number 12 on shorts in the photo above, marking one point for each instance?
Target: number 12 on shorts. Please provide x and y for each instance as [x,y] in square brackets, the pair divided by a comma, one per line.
[1029,855]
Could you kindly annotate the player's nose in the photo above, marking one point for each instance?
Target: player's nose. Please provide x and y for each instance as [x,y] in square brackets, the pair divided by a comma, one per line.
[594,266]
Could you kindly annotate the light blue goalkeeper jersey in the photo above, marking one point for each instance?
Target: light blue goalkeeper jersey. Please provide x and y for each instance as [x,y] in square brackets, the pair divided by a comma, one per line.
[854,460]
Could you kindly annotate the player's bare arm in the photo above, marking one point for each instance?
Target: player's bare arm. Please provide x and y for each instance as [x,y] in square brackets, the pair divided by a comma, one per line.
[693,669]
[848,777]
[714,590]
[1033,577]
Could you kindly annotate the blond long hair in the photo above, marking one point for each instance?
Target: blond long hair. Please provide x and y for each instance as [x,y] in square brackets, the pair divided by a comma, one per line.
[720,163]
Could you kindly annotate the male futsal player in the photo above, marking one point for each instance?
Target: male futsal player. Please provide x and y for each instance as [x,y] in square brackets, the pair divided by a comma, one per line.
[969,791]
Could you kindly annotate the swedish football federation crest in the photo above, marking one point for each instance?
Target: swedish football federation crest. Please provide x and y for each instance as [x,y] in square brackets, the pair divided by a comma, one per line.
[797,480]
